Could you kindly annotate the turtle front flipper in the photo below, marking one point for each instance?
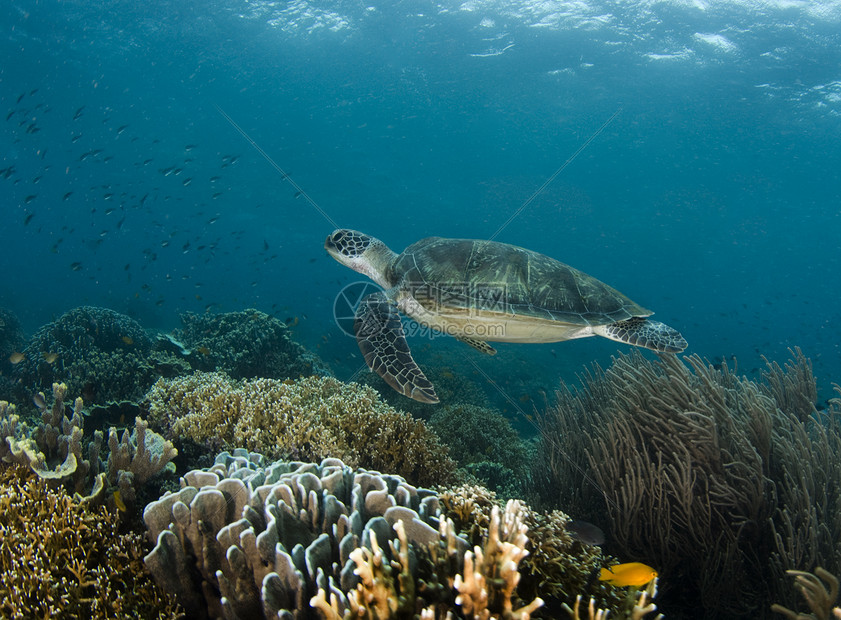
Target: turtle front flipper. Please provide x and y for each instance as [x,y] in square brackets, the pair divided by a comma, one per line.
[379,333]
[646,333]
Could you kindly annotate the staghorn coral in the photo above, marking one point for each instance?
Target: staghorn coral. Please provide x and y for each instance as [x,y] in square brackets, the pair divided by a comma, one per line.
[244,344]
[63,560]
[721,480]
[309,418]
[100,354]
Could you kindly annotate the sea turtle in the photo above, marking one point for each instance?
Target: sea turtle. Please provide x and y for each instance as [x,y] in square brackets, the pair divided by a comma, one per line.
[480,292]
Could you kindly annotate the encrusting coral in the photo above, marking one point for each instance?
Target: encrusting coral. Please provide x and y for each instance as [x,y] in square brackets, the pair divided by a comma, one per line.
[60,559]
[310,418]
[302,540]
[54,450]
[725,481]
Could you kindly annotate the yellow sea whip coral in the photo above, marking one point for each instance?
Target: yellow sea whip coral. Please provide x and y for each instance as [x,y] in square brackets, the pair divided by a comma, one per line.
[310,419]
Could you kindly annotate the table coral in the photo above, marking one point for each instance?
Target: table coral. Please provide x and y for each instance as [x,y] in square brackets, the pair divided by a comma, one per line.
[309,418]
[59,559]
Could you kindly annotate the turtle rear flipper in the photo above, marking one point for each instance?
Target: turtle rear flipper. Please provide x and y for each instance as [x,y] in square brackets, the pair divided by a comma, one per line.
[379,333]
[644,332]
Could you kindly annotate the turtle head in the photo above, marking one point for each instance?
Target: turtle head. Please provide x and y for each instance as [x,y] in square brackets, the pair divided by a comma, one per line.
[363,253]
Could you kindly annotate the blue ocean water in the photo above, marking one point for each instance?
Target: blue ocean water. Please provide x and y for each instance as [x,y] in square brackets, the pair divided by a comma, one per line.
[712,197]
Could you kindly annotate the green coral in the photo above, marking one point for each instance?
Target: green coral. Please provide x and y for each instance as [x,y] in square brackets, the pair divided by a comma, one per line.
[483,442]
[310,418]
[63,560]
[245,344]
[100,354]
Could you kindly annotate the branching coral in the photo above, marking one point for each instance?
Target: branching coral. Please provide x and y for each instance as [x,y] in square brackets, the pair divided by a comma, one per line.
[704,473]
[301,540]
[641,606]
[310,418]
[59,559]
[557,567]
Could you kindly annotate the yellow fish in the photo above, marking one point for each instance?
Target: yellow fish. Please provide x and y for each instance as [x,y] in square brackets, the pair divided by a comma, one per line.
[630,574]
[49,357]
[127,339]
[16,358]
[118,502]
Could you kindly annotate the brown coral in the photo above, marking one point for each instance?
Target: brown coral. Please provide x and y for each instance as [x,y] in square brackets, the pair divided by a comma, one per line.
[310,418]
[62,560]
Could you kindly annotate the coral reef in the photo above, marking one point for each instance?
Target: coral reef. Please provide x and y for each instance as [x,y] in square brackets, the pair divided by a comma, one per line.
[63,560]
[720,482]
[304,540]
[54,450]
[557,568]
[640,606]
[483,442]
[244,345]
[310,418]
[100,354]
